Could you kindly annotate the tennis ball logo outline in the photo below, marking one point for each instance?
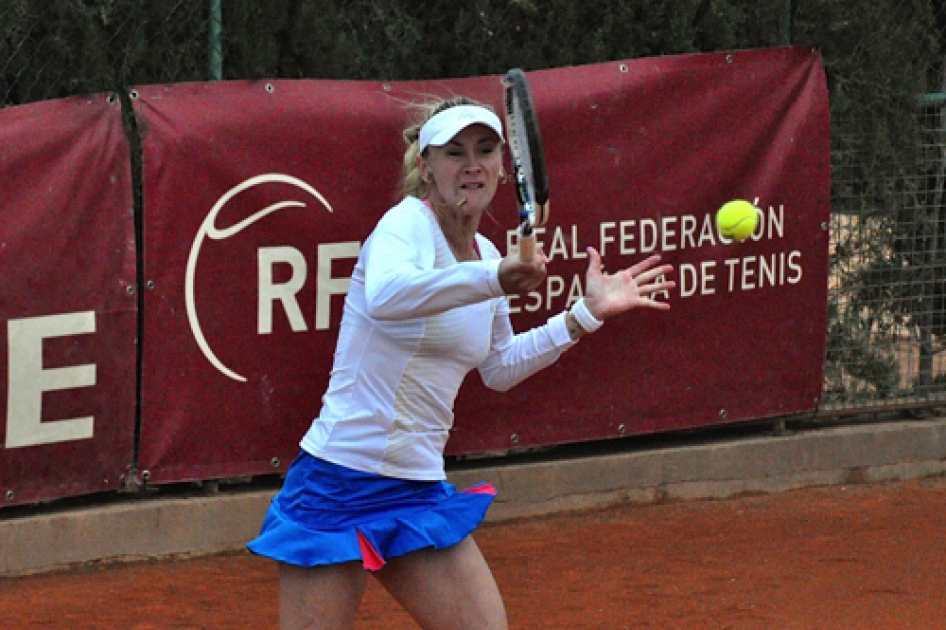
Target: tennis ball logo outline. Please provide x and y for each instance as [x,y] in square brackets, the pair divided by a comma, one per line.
[209,230]
[737,220]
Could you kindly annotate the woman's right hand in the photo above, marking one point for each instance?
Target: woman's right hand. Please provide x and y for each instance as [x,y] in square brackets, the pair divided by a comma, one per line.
[517,277]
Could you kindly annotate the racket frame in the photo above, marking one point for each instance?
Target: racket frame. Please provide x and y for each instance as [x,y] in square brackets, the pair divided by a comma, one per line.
[527,160]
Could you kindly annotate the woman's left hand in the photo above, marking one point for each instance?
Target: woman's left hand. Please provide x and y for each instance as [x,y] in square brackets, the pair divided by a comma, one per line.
[609,294]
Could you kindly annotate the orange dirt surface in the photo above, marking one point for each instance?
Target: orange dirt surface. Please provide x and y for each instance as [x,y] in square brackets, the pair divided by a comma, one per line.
[853,557]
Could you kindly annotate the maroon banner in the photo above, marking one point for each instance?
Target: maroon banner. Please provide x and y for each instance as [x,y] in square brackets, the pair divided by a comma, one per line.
[257,198]
[642,154]
[259,194]
[68,306]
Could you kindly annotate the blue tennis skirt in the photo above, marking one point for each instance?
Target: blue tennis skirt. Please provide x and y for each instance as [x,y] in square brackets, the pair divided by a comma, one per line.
[329,514]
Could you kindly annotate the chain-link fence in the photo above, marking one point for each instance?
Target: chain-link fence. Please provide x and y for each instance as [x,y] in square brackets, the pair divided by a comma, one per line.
[886,305]
[884,60]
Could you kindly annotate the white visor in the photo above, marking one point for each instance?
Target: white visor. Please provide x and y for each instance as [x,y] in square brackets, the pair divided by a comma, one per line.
[442,127]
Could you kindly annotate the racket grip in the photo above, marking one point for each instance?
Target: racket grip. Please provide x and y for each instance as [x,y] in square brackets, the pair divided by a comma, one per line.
[526,247]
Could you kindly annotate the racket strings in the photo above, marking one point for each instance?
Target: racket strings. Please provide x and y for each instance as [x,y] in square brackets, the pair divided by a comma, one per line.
[527,160]
[521,162]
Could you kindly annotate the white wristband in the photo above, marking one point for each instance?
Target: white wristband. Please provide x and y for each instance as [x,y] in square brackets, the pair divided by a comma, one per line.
[585,319]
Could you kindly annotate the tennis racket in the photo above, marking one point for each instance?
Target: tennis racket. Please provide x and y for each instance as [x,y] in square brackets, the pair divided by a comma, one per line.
[528,160]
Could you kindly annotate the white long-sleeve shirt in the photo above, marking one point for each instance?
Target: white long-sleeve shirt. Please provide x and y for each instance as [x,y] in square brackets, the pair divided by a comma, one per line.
[415,322]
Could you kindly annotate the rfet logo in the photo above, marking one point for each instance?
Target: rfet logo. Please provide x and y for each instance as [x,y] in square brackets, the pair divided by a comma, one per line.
[270,292]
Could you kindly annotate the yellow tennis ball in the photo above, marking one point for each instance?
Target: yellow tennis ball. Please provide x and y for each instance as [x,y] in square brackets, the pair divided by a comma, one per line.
[737,220]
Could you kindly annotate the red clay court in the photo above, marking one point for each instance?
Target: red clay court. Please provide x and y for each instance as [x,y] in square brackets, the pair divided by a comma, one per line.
[846,557]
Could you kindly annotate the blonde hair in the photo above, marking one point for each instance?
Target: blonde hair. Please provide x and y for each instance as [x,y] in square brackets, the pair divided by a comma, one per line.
[412,185]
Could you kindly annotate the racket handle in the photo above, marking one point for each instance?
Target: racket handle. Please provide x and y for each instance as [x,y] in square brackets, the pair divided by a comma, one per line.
[526,247]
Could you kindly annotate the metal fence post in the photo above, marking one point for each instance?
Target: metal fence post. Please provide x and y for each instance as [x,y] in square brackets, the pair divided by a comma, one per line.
[788,19]
[215,47]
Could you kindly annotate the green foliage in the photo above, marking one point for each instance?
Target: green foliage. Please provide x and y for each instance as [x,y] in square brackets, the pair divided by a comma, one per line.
[888,262]
[399,40]
[64,47]
[856,368]
[60,47]
[883,49]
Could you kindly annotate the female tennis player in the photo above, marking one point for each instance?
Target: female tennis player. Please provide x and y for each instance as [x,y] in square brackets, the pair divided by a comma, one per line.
[426,306]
